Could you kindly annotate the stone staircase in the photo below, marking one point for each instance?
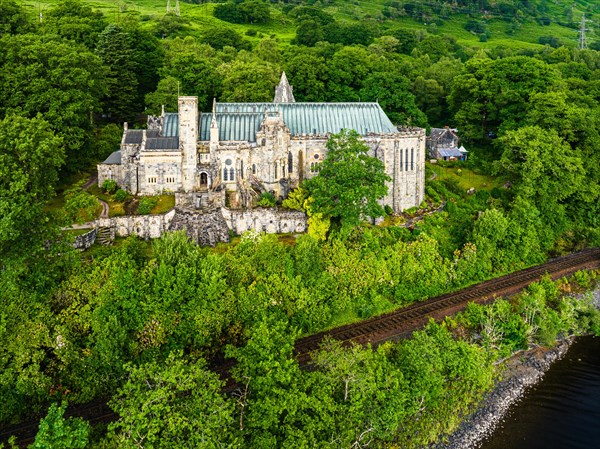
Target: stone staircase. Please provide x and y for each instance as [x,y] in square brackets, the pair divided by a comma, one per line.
[105,236]
[205,228]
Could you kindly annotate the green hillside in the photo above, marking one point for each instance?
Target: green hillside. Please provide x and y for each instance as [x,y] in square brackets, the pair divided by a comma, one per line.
[515,29]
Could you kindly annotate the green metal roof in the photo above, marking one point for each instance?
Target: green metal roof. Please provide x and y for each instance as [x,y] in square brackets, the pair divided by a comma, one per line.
[241,121]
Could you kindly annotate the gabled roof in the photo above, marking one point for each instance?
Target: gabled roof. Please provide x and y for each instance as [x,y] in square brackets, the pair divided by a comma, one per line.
[113,159]
[162,143]
[134,136]
[436,133]
[241,121]
[449,152]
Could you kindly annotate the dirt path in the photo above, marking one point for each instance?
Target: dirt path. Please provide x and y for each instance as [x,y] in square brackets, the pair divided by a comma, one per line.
[104,213]
[93,179]
[89,182]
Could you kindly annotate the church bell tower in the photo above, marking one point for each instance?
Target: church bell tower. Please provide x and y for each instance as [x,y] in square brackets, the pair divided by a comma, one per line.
[188,141]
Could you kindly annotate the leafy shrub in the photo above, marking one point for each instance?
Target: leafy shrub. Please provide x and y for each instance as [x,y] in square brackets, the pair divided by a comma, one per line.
[146,205]
[109,186]
[267,199]
[80,206]
[120,195]
[553,41]
[388,210]
[251,32]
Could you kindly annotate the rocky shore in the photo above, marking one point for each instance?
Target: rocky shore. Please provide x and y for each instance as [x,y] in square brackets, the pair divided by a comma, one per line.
[522,371]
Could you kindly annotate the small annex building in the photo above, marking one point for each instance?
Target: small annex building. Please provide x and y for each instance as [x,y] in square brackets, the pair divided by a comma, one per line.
[442,143]
[248,148]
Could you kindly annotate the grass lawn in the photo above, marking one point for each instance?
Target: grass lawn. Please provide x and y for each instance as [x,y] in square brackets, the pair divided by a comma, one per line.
[164,205]
[75,232]
[465,178]
[115,209]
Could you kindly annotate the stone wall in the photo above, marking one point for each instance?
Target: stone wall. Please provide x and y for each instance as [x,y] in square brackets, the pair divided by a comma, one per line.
[144,226]
[200,200]
[109,171]
[269,220]
[207,228]
[84,241]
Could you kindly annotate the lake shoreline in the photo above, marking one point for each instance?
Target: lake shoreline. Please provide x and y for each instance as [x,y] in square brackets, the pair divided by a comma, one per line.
[522,371]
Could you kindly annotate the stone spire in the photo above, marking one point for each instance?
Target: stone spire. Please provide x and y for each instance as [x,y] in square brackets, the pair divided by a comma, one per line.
[283,92]
[213,121]
[214,128]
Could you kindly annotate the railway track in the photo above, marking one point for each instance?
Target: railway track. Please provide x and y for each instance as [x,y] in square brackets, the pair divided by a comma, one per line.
[391,326]
[403,322]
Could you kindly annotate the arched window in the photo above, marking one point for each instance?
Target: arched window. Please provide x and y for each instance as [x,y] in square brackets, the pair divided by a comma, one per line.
[400,159]
[231,174]
[406,159]
[290,162]
[253,169]
[224,174]
[275,169]
[412,158]
[283,170]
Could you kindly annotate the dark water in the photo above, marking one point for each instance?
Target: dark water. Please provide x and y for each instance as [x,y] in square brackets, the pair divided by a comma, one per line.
[563,411]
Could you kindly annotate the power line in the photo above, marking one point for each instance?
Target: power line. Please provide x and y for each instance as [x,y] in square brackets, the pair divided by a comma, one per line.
[582,40]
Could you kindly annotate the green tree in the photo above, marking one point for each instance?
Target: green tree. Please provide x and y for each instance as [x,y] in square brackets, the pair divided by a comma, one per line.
[248,81]
[58,79]
[349,183]
[266,368]
[541,165]
[80,205]
[188,73]
[220,37]
[308,33]
[75,21]
[57,432]
[13,18]
[347,72]
[493,95]
[165,95]
[307,73]
[30,156]
[171,404]
[115,49]
[392,92]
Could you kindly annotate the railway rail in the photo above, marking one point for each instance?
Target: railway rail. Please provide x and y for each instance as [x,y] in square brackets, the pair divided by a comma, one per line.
[391,326]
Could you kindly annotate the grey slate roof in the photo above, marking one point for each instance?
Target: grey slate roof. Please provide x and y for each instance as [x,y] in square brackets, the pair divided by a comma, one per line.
[241,121]
[450,152]
[436,133]
[162,143]
[113,159]
[134,136]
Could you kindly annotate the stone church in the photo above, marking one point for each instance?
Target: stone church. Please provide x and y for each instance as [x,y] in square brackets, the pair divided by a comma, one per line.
[230,155]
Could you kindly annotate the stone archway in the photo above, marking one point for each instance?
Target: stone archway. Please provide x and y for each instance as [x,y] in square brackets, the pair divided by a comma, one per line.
[203,180]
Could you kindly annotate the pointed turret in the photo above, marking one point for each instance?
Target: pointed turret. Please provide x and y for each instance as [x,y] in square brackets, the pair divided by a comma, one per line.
[214,127]
[284,92]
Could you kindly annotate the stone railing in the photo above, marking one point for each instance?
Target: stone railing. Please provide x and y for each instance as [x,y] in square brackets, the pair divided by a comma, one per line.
[269,220]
